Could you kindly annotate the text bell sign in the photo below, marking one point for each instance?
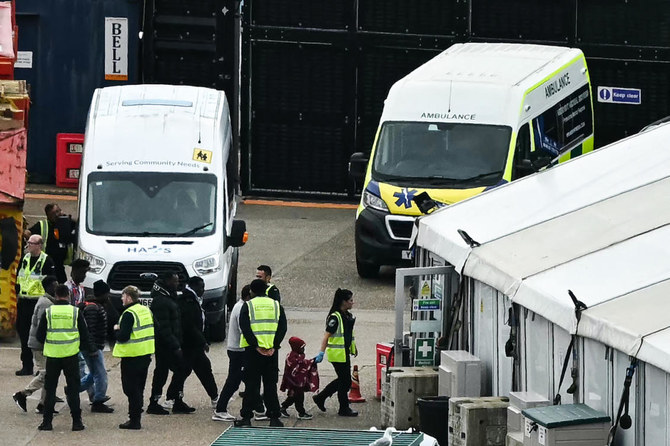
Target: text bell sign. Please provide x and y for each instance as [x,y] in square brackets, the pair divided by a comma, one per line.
[616,95]
[116,49]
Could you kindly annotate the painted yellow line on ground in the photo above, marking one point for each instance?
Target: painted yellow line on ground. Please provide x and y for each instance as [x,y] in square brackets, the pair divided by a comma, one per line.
[300,204]
[51,197]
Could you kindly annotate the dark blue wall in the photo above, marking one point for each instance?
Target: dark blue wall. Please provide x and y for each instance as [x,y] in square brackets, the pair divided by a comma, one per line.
[67,38]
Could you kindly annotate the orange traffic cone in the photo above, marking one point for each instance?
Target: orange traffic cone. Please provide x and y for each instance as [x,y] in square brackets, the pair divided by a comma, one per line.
[355,392]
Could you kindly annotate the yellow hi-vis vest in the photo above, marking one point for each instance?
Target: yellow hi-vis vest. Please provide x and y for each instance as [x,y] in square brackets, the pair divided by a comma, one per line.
[264,319]
[141,340]
[335,350]
[30,283]
[62,332]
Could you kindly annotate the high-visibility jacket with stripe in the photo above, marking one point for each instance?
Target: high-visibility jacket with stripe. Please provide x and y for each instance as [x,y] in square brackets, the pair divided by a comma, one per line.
[264,319]
[30,283]
[141,340]
[62,332]
[336,349]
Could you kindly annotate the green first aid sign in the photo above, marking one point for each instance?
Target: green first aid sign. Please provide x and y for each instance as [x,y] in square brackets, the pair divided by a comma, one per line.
[424,352]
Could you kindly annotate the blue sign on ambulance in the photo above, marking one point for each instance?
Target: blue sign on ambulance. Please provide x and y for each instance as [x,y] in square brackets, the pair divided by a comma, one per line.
[616,95]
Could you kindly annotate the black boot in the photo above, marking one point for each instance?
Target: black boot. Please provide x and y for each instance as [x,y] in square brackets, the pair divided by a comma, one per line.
[46,425]
[132,423]
[156,409]
[181,407]
[77,424]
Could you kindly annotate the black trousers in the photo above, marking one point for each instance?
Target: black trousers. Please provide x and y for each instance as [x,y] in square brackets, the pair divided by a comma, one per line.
[340,385]
[260,368]
[298,398]
[133,379]
[236,361]
[70,368]
[24,317]
[198,362]
[166,361]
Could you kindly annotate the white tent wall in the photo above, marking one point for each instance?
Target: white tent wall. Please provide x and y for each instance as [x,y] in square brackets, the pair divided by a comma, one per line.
[656,414]
[489,314]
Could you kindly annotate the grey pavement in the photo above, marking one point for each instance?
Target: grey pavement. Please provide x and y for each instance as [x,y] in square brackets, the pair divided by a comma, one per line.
[311,251]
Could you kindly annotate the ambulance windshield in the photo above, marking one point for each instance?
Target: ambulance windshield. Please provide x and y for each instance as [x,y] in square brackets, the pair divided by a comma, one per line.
[151,204]
[441,154]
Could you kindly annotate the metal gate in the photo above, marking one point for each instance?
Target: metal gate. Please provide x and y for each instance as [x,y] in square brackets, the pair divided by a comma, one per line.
[315,73]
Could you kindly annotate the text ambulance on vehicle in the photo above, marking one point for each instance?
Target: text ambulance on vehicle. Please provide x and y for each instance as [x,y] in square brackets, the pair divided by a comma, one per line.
[157,192]
[476,116]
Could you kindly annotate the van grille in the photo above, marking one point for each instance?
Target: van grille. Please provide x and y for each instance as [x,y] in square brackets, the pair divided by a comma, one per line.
[401,228]
[128,273]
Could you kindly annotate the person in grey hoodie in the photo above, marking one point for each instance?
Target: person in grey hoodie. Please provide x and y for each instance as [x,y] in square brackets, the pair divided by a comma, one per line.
[49,284]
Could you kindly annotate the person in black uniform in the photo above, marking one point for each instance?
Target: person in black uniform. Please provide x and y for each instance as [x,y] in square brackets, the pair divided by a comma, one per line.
[169,354]
[195,345]
[36,264]
[56,244]
[339,343]
[61,349]
[263,326]
[135,344]
[264,273]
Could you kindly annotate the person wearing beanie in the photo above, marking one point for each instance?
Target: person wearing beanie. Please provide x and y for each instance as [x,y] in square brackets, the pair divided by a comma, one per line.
[101,293]
[96,321]
[300,376]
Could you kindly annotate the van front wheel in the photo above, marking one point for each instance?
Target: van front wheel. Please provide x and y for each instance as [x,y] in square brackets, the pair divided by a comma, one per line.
[367,270]
[217,332]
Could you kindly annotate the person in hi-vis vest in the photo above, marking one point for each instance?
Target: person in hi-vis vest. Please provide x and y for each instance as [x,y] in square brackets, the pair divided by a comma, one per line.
[338,344]
[263,326]
[58,234]
[134,345]
[63,332]
[35,266]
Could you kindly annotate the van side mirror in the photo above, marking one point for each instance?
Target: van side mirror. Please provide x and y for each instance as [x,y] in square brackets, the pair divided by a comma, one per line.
[238,234]
[526,166]
[358,164]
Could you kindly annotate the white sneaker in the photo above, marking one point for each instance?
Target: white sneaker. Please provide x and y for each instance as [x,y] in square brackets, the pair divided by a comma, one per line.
[168,404]
[222,416]
[260,416]
[214,402]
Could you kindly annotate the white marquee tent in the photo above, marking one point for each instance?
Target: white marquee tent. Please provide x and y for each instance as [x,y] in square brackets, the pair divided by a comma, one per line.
[598,225]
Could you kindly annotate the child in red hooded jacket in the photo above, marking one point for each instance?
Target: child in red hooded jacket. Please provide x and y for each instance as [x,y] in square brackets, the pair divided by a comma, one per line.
[300,376]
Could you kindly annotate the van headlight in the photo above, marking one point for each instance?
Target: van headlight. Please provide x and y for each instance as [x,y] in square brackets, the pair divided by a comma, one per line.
[208,265]
[373,201]
[97,263]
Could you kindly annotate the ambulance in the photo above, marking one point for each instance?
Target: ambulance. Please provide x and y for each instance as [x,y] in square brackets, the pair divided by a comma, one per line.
[157,193]
[474,117]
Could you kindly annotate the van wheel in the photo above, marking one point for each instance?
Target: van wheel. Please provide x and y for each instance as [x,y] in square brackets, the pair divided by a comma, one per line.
[231,297]
[367,270]
[217,332]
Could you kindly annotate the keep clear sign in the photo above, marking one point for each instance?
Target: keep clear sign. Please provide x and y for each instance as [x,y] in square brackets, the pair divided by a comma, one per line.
[116,49]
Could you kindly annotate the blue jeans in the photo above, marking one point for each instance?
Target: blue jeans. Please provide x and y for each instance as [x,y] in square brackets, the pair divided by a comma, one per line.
[96,378]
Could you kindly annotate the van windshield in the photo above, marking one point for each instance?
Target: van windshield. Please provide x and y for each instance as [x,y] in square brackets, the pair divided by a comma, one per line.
[440,154]
[151,204]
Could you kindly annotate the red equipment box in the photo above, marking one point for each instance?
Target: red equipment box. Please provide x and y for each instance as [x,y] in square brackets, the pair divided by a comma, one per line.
[69,149]
[384,360]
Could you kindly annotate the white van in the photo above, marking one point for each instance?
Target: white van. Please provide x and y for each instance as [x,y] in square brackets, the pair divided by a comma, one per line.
[475,116]
[157,194]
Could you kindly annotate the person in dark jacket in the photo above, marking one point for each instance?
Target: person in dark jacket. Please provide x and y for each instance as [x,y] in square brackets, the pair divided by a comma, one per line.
[169,354]
[261,340]
[101,293]
[135,344]
[195,345]
[63,356]
[96,320]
